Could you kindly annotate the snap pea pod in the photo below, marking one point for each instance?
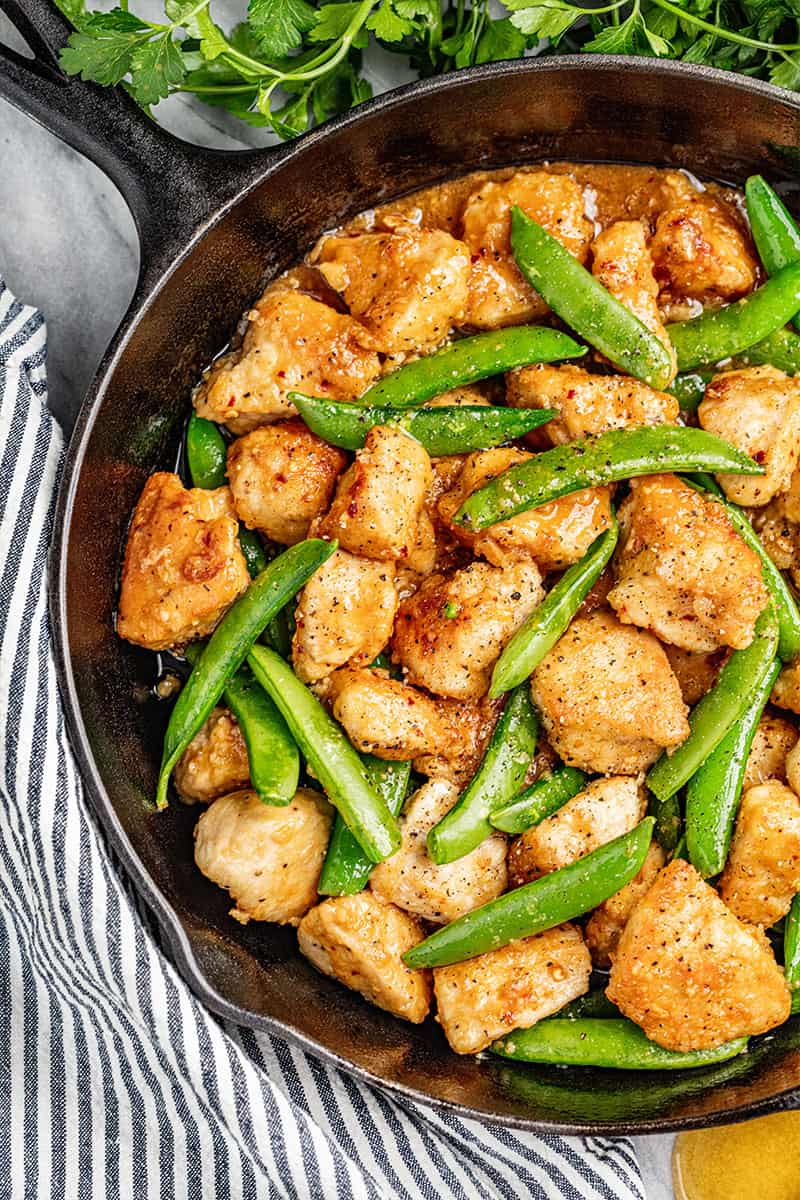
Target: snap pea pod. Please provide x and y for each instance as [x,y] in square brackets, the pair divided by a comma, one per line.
[669,823]
[714,791]
[591,1004]
[206,453]
[594,461]
[604,1042]
[689,389]
[469,360]
[327,751]
[780,349]
[540,800]
[791,947]
[346,868]
[550,900]
[724,332]
[585,305]
[446,430]
[775,233]
[719,709]
[229,644]
[546,624]
[499,778]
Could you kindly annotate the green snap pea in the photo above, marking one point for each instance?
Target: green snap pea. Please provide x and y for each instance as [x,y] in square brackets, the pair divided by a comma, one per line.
[775,233]
[724,332]
[591,1004]
[253,551]
[689,389]
[327,751]
[669,823]
[585,305]
[780,349]
[791,948]
[608,1042]
[469,360]
[550,900]
[499,778]
[206,453]
[446,430]
[543,628]
[719,709]
[543,798]
[346,868]
[594,461]
[229,644]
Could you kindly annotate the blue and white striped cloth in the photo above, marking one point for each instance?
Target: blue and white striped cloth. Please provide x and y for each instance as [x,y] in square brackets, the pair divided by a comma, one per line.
[114,1081]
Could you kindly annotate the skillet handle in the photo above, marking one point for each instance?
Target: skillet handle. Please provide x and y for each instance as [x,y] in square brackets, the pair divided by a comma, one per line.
[171,187]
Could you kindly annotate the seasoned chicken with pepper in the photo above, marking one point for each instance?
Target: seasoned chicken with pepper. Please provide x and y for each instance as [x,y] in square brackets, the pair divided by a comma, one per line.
[604,927]
[772,743]
[215,761]
[700,252]
[762,873]
[778,526]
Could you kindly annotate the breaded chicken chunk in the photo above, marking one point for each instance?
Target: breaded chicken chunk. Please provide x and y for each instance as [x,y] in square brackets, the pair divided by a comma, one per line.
[604,928]
[682,570]
[690,972]
[498,294]
[778,526]
[215,761]
[786,692]
[512,988]
[700,252]
[604,810]
[696,672]
[762,873]
[756,409]
[449,634]
[595,691]
[792,768]
[344,615]
[775,737]
[408,288]
[411,880]
[282,477]
[361,941]
[588,404]
[267,856]
[183,566]
[380,499]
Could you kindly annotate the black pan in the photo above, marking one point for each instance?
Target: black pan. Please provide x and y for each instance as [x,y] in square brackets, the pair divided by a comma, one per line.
[213,228]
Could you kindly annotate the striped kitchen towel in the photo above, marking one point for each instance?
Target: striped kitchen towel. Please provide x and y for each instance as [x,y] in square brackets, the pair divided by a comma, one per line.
[114,1080]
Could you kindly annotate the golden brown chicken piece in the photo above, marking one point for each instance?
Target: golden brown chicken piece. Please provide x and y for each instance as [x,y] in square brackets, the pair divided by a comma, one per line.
[604,810]
[512,988]
[701,253]
[266,856]
[778,526]
[282,477]
[183,567]
[293,343]
[604,928]
[775,737]
[696,673]
[361,941]
[786,693]
[554,535]
[682,570]
[691,973]
[595,692]
[762,873]
[756,409]
[215,761]
[408,288]
[498,294]
[412,881]
[449,634]
[588,404]
[380,499]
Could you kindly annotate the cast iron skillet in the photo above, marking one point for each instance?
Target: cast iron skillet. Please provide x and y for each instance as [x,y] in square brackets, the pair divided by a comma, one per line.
[213,228]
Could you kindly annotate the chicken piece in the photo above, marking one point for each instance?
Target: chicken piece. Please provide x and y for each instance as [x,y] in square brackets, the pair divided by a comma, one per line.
[408,288]
[498,294]
[700,252]
[292,344]
[604,928]
[379,501]
[778,526]
[622,263]
[756,409]
[689,972]
[775,737]
[588,404]
[412,881]
[786,692]
[512,988]
[604,810]
[695,672]
[183,566]
[682,570]
[762,873]
[214,763]
[607,697]
[268,857]
[792,768]
[449,634]
[361,941]
[282,477]
[554,534]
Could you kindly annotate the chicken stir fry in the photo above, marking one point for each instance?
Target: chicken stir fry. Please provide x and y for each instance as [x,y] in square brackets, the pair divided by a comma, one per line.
[495,655]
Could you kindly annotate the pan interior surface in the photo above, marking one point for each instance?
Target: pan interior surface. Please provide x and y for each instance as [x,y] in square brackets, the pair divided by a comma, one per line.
[715,125]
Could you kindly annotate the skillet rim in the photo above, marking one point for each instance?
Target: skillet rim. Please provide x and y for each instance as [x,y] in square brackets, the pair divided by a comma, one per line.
[152,278]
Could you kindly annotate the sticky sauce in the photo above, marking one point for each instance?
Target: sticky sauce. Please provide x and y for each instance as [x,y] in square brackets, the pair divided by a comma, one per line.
[758,1160]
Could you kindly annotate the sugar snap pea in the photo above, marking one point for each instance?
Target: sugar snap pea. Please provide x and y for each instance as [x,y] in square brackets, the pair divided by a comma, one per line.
[540,800]
[591,1004]
[775,233]
[689,389]
[780,349]
[206,453]
[550,900]
[346,868]
[791,947]
[669,822]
